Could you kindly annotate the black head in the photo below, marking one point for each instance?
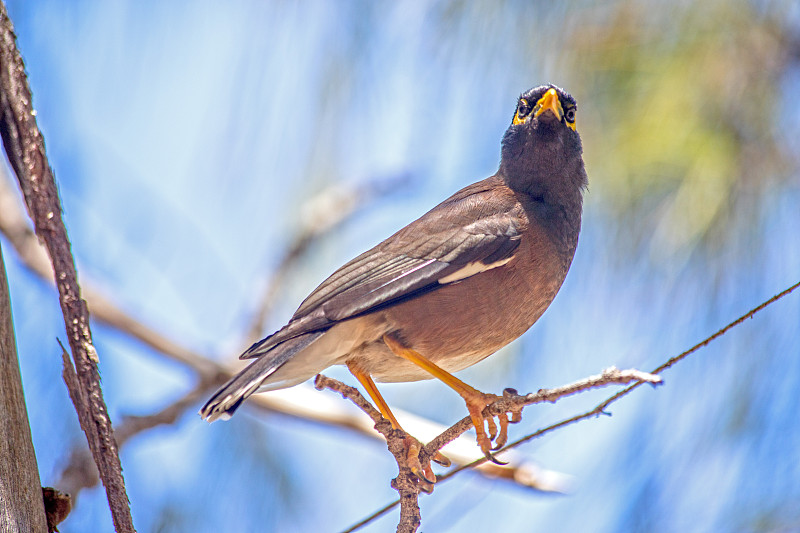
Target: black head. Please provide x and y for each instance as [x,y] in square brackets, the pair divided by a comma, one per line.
[541,146]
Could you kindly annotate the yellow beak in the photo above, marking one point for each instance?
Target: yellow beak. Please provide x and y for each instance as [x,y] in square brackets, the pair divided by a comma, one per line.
[549,101]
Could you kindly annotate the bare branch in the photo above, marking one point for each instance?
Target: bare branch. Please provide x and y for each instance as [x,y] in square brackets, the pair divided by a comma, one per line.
[514,403]
[406,483]
[24,146]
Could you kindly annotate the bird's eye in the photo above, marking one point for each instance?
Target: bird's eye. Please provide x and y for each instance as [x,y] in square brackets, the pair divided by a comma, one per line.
[569,114]
[523,109]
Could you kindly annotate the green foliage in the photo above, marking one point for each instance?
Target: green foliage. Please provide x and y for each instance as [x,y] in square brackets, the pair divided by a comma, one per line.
[682,116]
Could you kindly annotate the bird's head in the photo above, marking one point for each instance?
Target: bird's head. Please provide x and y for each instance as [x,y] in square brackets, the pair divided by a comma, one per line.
[542,141]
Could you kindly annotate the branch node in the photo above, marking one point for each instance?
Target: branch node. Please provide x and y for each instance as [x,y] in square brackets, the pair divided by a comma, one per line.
[57,506]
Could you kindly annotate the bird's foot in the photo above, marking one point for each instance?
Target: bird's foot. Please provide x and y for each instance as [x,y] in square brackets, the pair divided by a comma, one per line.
[422,469]
[477,404]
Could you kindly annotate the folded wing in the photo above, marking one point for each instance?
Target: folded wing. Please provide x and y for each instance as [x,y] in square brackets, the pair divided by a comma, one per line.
[467,234]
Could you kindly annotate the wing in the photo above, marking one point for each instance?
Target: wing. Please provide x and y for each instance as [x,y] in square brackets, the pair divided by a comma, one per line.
[476,229]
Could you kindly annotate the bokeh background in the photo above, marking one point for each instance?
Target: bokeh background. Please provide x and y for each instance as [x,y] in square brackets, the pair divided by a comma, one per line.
[188,137]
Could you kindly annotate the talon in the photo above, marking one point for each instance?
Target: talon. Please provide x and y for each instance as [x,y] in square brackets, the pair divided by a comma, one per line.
[502,438]
[426,483]
[426,487]
[484,443]
[476,403]
[441,459]
[497,431]
[492,427]
[492,458]
[424,473]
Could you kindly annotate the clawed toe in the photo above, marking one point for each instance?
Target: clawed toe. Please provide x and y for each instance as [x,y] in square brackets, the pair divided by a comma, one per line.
[441,459]
[423,472]
[421,469]
[497,431]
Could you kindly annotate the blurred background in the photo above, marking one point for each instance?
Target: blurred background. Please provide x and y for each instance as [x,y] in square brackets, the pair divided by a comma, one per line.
[193,141]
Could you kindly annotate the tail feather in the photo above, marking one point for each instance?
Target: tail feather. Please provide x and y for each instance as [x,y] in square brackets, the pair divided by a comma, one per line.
[294,329]
[231,395]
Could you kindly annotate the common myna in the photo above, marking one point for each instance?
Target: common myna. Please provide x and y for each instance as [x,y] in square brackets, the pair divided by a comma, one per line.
[449,289]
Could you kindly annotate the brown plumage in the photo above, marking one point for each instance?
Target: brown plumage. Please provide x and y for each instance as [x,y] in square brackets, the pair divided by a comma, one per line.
[452,287]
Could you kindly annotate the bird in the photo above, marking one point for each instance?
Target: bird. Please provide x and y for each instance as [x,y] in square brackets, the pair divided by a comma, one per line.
[449,289]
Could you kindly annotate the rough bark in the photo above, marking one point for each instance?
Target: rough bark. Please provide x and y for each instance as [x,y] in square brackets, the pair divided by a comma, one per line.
[21,507]
[24,146]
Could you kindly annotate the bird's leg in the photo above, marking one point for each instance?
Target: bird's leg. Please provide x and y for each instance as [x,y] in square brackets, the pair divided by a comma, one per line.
[476,400]
[413,446]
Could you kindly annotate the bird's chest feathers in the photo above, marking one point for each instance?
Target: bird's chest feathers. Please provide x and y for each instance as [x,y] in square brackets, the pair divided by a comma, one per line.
[481,313]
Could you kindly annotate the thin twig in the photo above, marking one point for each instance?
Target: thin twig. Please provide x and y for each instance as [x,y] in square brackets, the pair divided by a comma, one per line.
[599,409]
[24,146]
[377,514]
[514,403]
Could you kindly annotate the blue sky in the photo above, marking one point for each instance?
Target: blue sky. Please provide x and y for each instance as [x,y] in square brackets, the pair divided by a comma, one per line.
[185,137]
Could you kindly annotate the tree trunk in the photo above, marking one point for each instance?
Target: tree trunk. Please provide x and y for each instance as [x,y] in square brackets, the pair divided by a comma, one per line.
[21,504]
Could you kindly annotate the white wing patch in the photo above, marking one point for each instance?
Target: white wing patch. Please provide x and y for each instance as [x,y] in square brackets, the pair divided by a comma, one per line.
[470,269]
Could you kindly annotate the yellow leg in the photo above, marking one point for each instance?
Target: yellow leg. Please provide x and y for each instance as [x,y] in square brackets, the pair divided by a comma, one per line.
[426,364]
[413,446]
[373,392]
[475,399]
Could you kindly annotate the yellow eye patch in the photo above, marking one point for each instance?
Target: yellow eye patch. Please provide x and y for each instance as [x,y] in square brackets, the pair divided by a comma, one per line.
[523,112]
[569,117]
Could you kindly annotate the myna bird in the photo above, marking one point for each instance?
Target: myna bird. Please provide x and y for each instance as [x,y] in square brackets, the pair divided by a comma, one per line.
[449,289]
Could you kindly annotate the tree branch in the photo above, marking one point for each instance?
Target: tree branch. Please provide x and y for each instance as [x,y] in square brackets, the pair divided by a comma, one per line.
[511,402]
[25,148]
[407,484]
